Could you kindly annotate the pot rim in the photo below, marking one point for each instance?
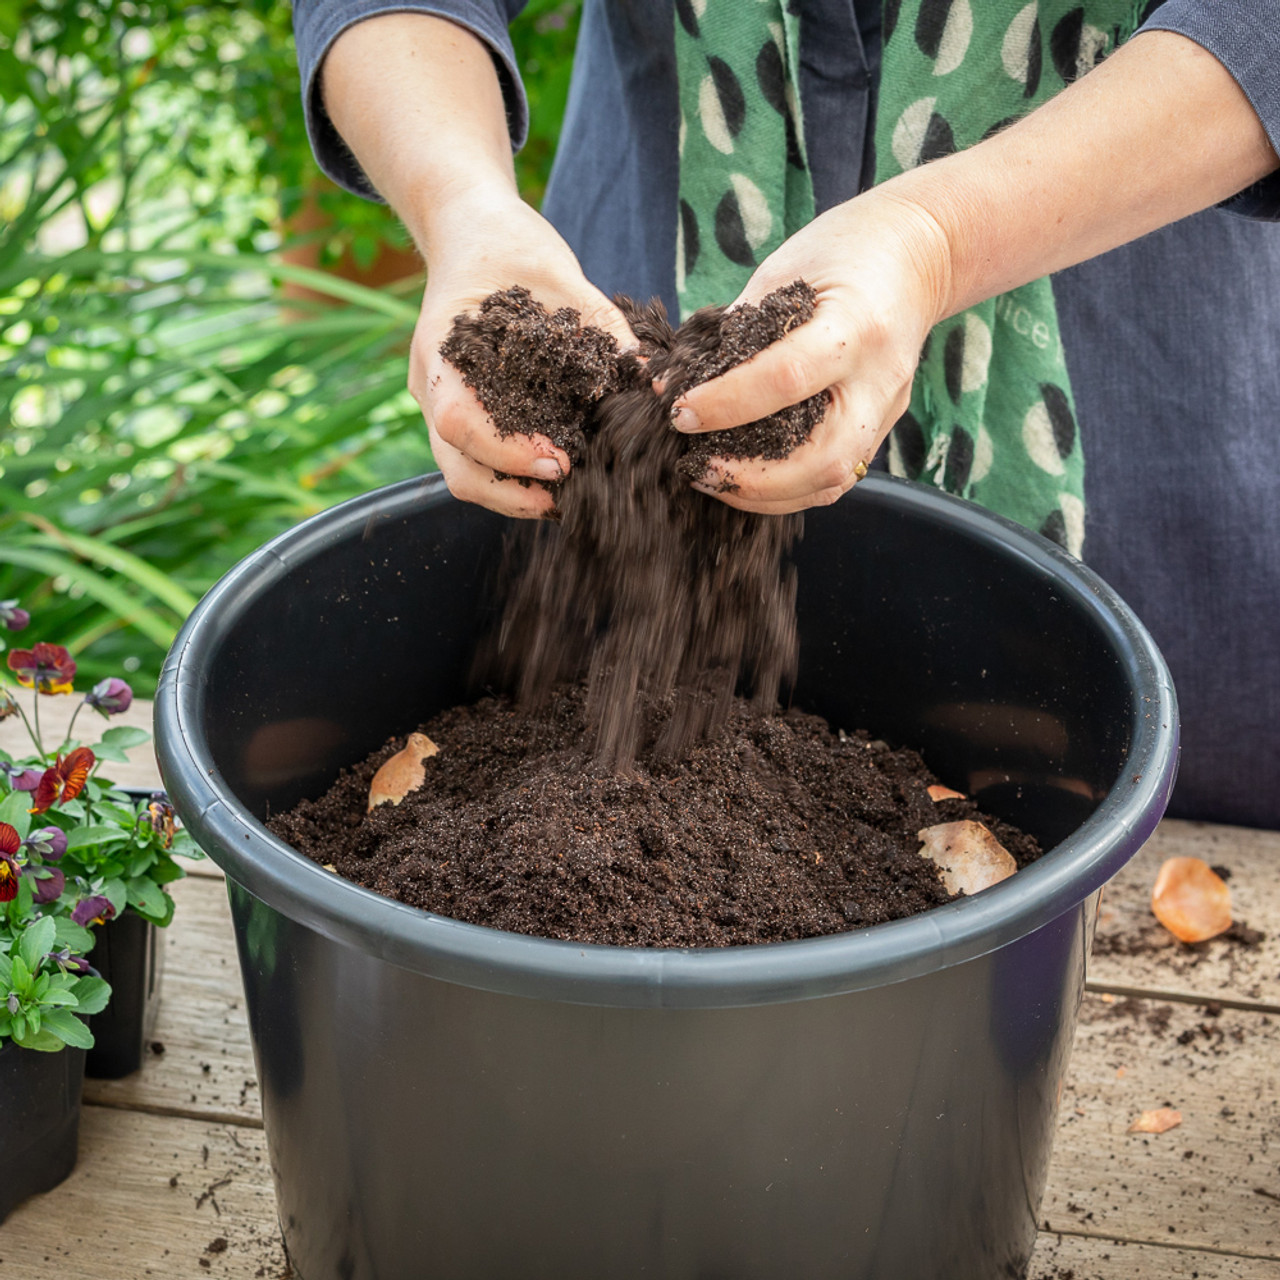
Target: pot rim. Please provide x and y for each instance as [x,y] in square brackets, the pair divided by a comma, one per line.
[590,973]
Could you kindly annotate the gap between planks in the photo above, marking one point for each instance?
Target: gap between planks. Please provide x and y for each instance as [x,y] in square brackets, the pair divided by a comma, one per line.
[1090,1258]
[201,1114]
[1173,996]
[1167,1245]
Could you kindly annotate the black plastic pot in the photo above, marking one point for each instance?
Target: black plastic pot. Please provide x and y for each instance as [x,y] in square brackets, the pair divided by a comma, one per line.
[39,1120]
[445,1100]
[129,954]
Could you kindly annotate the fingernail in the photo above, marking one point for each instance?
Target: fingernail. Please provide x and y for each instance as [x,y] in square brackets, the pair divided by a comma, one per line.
[547,469]
[684,419]
[703,487]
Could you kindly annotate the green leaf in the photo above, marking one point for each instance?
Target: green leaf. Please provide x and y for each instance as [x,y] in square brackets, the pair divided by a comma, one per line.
[104,590]
[43,1040]
[117,894]
[37,939]
[91,993]
[184,846]
[59,996]
[166,871]
[119,813]
[13,810]
[148,899]
[128,566]
[83,837]
[75,937]
[68,1028]
[20,976]
[125,736]
[23,903]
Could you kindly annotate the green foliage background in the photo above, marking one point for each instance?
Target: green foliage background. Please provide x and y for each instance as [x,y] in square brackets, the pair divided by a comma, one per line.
[163,409]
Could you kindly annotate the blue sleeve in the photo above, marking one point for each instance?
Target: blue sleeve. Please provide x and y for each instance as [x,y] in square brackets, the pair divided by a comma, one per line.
[318,23]
[1244,35]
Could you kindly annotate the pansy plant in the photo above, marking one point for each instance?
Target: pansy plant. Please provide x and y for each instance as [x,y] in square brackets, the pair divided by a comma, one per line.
[75,850]
[46,988]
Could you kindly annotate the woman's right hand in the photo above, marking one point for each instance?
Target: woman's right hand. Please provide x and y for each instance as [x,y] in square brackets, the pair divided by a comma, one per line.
[487,242]
[417,100]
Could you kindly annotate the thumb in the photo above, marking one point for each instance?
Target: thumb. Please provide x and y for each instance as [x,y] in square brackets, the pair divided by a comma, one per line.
[801,364]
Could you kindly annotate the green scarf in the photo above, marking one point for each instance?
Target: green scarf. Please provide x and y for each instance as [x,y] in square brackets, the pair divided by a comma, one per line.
[992,415]
[744,178]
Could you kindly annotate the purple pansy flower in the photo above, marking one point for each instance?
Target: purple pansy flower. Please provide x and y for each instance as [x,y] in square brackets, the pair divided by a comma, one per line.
[49,885]
[65,960]
[93,910]
[12,617]
[110,696]
[47,668]
[21,779]
[49,842]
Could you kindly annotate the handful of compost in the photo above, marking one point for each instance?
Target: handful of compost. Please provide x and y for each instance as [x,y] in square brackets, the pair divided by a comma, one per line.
[647,589]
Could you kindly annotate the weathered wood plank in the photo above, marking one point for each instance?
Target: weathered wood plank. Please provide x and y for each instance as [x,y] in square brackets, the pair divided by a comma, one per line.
[206,1069]
[1086,1258]
[1211,1183]
[152,1196]
[1133,951]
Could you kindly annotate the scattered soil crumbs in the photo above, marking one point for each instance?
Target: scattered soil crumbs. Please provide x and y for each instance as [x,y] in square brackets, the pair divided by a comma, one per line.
[1212,1035]
[1150,938]
[777,829]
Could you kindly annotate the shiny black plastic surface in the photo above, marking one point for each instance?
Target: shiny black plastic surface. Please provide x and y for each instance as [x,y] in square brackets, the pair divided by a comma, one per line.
[39,1132]
[129,954]
[443,1100]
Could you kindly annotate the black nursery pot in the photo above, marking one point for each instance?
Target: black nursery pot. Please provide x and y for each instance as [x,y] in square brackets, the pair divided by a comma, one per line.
[129,954]
[39,1120]
[446,1100]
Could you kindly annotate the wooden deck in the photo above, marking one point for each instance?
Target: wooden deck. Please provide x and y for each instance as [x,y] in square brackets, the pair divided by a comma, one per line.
[173,1179]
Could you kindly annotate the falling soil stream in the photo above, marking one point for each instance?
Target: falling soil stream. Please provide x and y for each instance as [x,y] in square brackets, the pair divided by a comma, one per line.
[638,784]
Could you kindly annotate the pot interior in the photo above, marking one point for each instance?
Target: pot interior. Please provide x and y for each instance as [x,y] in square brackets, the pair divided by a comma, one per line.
[1020,677]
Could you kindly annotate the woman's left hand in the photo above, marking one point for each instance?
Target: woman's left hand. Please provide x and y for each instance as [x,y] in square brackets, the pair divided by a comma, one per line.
[880,267]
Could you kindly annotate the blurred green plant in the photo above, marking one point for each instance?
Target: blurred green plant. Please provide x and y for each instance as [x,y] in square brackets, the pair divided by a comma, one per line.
[163,410]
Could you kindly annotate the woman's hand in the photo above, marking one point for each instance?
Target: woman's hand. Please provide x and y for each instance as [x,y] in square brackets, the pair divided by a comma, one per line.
[417,100]
[880,267]
[1158,130]
[489,242]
